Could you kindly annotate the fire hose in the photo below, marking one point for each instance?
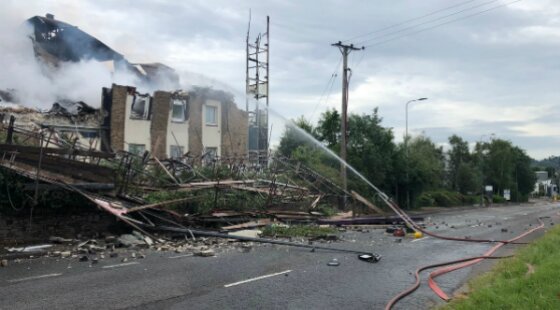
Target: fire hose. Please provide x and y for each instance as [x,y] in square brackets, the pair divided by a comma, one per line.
[432,283]
[456,264]
[416,284]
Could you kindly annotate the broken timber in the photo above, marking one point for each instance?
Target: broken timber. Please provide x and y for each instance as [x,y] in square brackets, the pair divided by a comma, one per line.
[367,203]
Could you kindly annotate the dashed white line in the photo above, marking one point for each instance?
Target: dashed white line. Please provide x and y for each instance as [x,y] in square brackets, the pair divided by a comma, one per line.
[179,256]
[257,278]
[120,265]
[35,277]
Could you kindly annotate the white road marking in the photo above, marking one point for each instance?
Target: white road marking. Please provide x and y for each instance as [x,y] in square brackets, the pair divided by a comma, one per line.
[257,278]
[179,256]
[35,277]
[419,239]
[120,265]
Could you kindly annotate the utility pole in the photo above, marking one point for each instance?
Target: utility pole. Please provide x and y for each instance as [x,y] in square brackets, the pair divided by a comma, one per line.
[345,49]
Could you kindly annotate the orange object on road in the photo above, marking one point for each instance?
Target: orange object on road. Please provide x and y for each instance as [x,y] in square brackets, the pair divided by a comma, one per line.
[399,232]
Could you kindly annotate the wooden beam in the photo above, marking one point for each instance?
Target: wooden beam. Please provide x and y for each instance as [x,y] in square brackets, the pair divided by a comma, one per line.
[159,204]
[367,203]
[165,169]
[251,224]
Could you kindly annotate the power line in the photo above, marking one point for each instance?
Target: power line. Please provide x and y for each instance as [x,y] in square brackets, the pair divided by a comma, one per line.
[444,23]
[428,22]
[409,20]
[328,87]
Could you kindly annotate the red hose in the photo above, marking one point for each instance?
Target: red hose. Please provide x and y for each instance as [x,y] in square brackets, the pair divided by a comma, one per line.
[432,283]
[416,284]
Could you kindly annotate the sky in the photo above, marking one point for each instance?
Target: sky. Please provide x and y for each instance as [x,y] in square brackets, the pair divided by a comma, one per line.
[495,72]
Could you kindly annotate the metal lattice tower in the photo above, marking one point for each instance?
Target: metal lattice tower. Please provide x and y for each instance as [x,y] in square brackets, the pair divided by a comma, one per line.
[257,91]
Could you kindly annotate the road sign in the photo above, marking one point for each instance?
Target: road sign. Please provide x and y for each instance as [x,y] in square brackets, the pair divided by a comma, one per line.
[507,194]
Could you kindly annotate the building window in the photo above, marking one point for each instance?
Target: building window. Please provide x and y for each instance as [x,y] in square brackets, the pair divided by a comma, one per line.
[140,108]
[176,151]
[210,154]
[178,111]
[137,149]
[211,115]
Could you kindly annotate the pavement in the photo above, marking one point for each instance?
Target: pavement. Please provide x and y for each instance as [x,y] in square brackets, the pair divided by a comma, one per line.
[271,276]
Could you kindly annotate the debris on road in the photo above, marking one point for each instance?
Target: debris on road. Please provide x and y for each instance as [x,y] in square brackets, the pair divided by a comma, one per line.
[205,253]
[253,233]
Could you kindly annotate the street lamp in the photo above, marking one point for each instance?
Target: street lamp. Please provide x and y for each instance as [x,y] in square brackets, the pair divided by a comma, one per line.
[406,148]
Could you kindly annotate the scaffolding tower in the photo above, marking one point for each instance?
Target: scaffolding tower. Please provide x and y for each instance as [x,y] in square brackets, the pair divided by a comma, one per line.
[257,94]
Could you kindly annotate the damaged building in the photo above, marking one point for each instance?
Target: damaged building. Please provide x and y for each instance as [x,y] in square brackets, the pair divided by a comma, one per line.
[199,122]
[169,124]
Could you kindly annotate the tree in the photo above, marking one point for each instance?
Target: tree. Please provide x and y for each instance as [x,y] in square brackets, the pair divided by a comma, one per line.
[295,135]
[425,166]
[328,129]
[506,166]
[370,148]
[459,159]
[467,178]
[525,178]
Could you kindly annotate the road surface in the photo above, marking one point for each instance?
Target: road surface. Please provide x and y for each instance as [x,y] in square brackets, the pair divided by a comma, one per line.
[269,276]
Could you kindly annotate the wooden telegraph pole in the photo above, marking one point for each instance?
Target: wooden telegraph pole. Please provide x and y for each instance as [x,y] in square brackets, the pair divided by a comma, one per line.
[345,49]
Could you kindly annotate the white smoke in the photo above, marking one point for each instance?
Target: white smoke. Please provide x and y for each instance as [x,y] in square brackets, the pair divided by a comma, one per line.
[36,84]
[39,85]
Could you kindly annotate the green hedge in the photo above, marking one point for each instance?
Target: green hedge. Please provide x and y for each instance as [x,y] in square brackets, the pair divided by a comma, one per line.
[498,199]
[444,198]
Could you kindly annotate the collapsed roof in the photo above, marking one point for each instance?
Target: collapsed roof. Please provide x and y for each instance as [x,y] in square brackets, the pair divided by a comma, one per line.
[55,41]
[67,42]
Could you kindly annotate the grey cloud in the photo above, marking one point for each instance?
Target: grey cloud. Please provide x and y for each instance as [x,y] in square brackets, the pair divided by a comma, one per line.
[483,60]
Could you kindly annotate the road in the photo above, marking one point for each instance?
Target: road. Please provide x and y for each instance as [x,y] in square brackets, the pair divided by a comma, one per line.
[269,276]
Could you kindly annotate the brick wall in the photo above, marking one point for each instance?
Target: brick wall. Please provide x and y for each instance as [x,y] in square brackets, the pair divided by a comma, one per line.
[234,130]
[118,109]
[161,105]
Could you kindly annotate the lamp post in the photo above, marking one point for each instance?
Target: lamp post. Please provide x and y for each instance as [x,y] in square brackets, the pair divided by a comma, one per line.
[406,148]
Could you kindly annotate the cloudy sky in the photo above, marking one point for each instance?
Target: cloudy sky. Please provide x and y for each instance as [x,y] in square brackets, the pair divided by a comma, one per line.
[494,72]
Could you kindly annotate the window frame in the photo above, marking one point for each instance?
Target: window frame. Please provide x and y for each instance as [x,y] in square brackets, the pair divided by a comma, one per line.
[137,145]
[207,108]
[183,105]
[147,108]
[181,151]
[210,159]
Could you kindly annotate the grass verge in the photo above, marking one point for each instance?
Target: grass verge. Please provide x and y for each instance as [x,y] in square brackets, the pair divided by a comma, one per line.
[308,231]
[530,280]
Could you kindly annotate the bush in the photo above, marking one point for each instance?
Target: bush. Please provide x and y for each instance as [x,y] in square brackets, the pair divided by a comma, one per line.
[425,200]
[447,199]
[471,199]
[443,198]
[498,199]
